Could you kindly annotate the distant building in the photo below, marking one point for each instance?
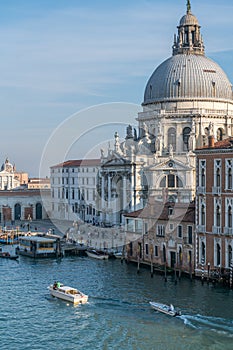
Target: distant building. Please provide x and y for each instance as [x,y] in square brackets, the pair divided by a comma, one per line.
[38,183]
[214,203]
[22,205]
[22,177]
[165,235]
[7,177]
[74,186]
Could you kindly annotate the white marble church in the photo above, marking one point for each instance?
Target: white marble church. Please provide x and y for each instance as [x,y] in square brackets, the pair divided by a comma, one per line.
[187,99]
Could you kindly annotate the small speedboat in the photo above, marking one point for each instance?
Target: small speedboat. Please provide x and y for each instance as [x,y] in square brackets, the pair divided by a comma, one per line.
[166,309]
[67,293]
[92,253]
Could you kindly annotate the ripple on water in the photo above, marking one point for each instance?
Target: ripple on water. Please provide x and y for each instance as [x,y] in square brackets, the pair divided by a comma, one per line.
[117,315]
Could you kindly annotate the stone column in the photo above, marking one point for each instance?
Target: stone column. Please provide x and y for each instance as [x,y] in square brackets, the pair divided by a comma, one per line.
[124,192]
[102,197]
[109,190]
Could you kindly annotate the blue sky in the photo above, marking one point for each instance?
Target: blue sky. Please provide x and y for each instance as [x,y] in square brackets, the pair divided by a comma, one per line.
[59,57]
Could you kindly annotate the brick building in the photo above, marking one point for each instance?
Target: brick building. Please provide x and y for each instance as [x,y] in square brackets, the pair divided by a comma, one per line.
[214,205]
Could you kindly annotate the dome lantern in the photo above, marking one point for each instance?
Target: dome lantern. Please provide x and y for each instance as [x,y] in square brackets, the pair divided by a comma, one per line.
[189,39]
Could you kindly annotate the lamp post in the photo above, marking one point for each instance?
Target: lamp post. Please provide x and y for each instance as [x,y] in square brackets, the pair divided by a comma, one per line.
[208,276]
[202,270]
[231,267]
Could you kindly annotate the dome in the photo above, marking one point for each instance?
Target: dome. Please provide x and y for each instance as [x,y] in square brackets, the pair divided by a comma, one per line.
[187,76]
[189,19]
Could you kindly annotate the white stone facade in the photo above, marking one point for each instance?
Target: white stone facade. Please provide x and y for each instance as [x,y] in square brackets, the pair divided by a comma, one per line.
[74,190]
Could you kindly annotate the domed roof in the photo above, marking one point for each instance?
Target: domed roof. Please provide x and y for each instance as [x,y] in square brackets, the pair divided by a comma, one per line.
[187,76]
[189,19]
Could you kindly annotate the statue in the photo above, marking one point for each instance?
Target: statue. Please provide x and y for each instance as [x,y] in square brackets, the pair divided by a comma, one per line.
[129,132]
[170,147]
[211,129]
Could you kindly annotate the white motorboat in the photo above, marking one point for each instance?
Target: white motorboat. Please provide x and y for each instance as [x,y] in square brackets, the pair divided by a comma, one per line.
[166,309]
[67,293]
[92,253]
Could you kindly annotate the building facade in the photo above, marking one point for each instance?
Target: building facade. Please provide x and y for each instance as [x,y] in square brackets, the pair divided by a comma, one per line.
[214,205]
[22,205]
[74,185]
[165,235]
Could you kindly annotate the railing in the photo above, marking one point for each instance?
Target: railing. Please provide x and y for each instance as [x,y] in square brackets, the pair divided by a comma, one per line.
[216,230]
[201,190]
[201,229]
[228,230]
[187,111]
[216,190]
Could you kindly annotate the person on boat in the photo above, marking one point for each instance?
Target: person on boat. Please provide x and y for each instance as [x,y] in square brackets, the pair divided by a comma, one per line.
[55,285]
[171,307]
[58,284]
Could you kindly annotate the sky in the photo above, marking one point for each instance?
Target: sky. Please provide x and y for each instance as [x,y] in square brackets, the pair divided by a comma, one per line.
[60,59]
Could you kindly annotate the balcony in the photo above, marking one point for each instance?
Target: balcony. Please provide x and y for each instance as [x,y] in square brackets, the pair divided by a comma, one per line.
[228,230]
[201,229]
[201,190]
[216,230]
[216,190]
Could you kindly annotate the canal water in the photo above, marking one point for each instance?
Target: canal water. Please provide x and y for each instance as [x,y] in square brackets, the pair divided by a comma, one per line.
[117,316]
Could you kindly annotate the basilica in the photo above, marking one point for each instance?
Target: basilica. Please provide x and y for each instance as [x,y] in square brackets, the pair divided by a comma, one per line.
[187,99]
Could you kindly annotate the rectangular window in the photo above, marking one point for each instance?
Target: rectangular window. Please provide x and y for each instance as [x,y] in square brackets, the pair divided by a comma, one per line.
[217,172]
[171,227]
[130,225]
[190,235]
[180,231]
[160,230]
[156,250]
[138,226]
[147,248]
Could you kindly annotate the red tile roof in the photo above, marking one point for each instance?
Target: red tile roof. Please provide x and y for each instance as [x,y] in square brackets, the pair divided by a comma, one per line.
[77,163]
[160,211]
[223,144]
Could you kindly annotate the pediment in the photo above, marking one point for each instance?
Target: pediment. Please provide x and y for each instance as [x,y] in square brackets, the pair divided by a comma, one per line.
[115,159]
[170,164]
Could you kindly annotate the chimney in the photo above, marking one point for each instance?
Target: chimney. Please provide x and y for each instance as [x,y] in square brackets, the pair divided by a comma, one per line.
[211,141]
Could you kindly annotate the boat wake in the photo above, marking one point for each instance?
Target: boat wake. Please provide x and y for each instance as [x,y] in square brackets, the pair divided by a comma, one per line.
[215,324]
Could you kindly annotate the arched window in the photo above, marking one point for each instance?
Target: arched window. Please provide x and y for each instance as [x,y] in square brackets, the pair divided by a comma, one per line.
[229,255]
[218,248]
[218,216]
[229,179]
[218,177]
[186,135]
[219,134]
[203,251]
[172,138]
[202,214]
[229,216]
